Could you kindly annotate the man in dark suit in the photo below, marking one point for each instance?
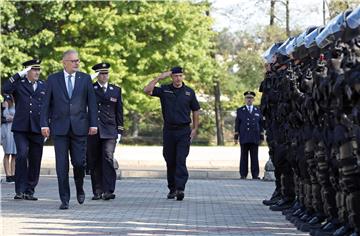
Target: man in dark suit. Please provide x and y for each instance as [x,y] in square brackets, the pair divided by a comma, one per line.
[69,115]
[249,131]
[101,147]
[28,92]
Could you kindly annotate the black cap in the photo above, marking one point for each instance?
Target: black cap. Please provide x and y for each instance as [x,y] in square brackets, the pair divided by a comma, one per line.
[177,70]
[101,67]
[249,94]
[35,63]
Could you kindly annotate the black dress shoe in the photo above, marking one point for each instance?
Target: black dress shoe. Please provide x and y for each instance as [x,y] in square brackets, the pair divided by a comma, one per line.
[342,231]
[30,197]
[19,196]
[80,197]
[271,201]
[96,197]
[108,196]
[180,195]
[64,206]
[243,177]
[282,205]
[171,194]
[257,177]
[354,234]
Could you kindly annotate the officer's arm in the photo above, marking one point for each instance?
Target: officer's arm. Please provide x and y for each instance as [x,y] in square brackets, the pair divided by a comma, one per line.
[119,114]
[11,84]
[44,114]
[150,87]
[237,123]
[195,116]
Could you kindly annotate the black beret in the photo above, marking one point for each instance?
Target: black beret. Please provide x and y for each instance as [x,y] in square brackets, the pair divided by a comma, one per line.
[101,67]
[177,70]
[35,63]
[249,94]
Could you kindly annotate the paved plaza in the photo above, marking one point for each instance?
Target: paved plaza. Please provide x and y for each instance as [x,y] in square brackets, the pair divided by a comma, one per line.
[210,207]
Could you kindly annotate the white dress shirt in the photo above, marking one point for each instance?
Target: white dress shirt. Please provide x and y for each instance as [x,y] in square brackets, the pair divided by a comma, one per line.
[66,76]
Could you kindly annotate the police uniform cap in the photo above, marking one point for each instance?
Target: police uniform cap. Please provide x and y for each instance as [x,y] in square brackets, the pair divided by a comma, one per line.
[101,67]
[34,63]
[177,70]
[249,94]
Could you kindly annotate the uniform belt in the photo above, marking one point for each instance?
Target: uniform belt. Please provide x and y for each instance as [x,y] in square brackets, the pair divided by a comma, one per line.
[175,127]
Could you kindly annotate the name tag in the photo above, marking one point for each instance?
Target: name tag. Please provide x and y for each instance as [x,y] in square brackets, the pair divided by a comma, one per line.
[257,114]
[187,93]
[113,99]
[168,91]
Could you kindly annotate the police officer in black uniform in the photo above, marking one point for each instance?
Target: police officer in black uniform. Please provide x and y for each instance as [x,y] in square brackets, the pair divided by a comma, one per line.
[177,101]
[249,131]
[101,147]
[28,92]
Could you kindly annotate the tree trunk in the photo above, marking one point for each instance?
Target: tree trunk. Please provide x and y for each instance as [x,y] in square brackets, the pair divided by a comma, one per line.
[272,12]
[218,115]
[134,128]
[287,18]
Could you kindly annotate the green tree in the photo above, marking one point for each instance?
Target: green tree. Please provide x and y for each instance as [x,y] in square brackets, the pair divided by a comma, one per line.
[139,39]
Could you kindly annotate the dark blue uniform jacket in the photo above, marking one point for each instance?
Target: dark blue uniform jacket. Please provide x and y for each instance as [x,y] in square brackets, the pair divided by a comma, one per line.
[28,103]
[248,125]
[110,111]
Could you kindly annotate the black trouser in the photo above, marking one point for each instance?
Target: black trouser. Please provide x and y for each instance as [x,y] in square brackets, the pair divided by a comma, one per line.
[77,147]
[100,156]
[29,148]
[176,146]
[281,159]
[245,148]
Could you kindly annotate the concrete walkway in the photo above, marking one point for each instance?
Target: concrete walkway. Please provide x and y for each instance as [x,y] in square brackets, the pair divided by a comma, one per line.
[147,161]
[210,207]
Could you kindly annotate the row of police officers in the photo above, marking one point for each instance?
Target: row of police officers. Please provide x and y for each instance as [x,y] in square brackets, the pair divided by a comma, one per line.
[310,103]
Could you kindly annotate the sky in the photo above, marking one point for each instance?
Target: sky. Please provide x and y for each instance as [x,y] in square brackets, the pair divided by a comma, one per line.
[246,14]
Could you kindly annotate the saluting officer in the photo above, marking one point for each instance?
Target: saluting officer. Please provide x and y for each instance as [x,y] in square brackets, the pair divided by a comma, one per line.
[28,92]
[177,102]
[249,130]
[101,147]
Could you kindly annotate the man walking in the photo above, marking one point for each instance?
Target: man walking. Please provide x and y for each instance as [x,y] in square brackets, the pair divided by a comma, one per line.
[177,101]
[29,93]
[249,131]
[69,115]
[101,147]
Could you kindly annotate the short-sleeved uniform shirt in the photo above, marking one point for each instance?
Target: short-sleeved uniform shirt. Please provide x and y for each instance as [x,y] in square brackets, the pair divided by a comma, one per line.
[176,103]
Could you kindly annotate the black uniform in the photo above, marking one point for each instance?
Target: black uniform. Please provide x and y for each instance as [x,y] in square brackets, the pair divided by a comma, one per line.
[177,104]
[27,132]
[101,146]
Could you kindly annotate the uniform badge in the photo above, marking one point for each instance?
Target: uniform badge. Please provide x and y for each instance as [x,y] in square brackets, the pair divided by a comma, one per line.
[257,114]
[111,88]
[187,93]
[113,99]
[42,92]
[95,87]
[22,81]
[244,109]
[40,82]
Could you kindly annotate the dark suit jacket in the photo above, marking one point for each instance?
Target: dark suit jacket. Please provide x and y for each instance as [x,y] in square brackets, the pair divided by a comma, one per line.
[110,111]
[61,113]
[248,125]
[27,103]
